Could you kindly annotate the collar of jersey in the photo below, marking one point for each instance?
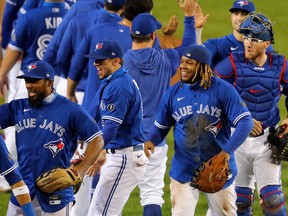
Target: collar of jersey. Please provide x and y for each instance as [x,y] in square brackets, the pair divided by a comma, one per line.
[50,98]
[54,4]
[192,86]
[117,73]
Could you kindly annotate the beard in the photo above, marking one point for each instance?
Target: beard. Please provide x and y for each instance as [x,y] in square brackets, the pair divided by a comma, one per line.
[37,102]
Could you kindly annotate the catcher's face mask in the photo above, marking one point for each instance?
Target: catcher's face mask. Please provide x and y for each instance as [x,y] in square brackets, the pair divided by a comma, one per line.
[257,26]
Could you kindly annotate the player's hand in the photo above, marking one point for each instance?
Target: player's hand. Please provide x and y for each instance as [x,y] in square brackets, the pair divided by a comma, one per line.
[257,129]
[148,148]
[188,6]
[72,97]
[96,166]
[284,122]
[200,20]
[171,27]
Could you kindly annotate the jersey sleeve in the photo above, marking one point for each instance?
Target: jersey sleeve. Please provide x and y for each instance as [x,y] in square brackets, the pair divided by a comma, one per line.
[7,115]
[234,106]
[119,100]
[20,36]
[225,70]
[8,168]
[163,120]
[65,51]
[79,62]
[86,126]
[9,17]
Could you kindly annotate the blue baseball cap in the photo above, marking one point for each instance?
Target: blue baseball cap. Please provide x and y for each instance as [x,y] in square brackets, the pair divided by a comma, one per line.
[106,49]
[38,70]
[199,53]
[116,2]
[244,5]
[144,24]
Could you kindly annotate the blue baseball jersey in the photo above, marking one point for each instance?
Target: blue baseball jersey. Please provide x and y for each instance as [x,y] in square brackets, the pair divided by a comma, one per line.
[99,32]
[80,7]
[10,15]
[223,46]
[260,87]
[46,138]
[8,168]
[34,31]
[212,112]
[74,34]
[118,100]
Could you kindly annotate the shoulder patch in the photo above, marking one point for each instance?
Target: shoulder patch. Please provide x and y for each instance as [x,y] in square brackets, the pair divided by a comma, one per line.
[110,107]
[243,103]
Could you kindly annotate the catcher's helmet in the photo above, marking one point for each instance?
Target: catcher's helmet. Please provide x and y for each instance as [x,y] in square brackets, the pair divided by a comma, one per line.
[257,25]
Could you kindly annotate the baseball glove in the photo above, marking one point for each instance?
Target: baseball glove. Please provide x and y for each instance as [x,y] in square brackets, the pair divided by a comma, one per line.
[278,146]
[59,179]
[211,176]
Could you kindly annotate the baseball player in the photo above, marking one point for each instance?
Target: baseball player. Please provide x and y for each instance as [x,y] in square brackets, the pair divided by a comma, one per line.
[202,109]
[221,47]
[30,38]
[75,32]
[115,31]
[9,170]
[260,79]
[118,108]
[80,7]
[152,69]
[47,126]
[72,37]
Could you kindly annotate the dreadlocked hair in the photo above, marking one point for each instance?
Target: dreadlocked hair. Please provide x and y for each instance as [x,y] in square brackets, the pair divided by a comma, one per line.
[205,73]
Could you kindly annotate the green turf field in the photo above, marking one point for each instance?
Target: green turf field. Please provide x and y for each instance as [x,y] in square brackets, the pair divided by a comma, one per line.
[218,25]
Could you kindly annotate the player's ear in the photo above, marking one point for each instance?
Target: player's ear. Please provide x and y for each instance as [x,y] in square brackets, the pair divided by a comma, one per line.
[153,36]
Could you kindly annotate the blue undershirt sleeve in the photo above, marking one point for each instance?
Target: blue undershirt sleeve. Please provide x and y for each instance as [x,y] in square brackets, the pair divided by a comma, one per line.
[242,130]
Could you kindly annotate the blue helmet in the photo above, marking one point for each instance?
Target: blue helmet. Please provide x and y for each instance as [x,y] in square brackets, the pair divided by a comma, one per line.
[257,25]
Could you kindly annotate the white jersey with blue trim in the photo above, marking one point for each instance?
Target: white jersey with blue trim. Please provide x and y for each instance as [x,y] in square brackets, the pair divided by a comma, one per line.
[35,29]
[46,138]
[212,112]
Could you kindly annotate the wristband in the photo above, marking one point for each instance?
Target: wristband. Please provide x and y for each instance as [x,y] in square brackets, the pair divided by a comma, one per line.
[20,190]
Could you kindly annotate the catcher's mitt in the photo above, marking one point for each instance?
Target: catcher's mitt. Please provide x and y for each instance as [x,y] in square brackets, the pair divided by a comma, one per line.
[59,179]
[211,176]
[278,146]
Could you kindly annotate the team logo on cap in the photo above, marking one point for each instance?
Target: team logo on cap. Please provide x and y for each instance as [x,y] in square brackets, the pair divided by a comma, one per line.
[55,146]
[32,66]
[242,3]
[99,46]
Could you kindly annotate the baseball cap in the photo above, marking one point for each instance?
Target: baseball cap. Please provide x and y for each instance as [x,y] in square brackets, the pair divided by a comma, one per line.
[144,24]
[199,53]
[116,2]
[106,49]
[38,70]
[257,25]
[244,5]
